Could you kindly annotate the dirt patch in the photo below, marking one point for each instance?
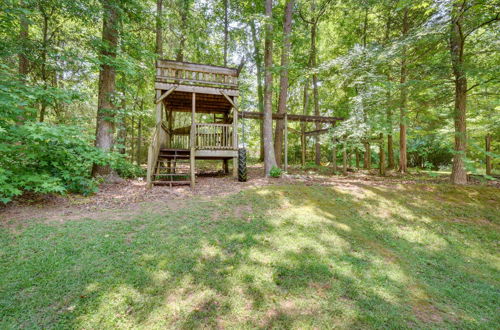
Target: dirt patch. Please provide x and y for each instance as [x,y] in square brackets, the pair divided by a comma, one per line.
[427,313]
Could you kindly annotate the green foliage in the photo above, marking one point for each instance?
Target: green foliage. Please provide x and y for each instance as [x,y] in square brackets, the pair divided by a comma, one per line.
[45,158]
[275,172]
[126,169]
[430,152]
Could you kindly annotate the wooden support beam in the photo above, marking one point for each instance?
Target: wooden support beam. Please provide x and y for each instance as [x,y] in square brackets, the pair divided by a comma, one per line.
[159,115]
[193,142]
[235,138]
[317,132]
[164,95]
[229,99]
[301,118]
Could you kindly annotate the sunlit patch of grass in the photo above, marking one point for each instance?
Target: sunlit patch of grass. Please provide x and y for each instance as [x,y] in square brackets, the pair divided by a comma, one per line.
[282,256]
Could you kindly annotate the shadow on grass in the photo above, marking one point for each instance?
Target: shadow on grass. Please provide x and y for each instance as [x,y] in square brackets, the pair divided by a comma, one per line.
[287,256]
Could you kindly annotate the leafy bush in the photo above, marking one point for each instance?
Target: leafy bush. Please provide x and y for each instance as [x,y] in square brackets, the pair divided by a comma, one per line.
[275,172]
[46,158]
[126,169]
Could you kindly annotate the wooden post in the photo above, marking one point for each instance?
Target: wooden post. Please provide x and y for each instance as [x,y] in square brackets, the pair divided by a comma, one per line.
[344,159]
[159,113]
[193,142]
[382,155]
[286,141]
[488,156]
[225,162]
[235,139]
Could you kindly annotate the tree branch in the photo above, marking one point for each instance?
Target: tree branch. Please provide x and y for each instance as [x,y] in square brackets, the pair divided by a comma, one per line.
[482,83]
[492,20]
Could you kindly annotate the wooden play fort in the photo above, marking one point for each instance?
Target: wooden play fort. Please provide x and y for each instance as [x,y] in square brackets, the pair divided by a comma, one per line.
[204,98]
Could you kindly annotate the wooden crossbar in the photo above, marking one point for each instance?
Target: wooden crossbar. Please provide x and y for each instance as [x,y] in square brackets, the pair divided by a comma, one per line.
[301,118]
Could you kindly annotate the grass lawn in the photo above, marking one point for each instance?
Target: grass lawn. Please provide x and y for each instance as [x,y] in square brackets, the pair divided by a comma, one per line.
[288,256]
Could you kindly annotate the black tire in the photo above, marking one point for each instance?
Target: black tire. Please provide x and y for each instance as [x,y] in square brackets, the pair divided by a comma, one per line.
[242,165]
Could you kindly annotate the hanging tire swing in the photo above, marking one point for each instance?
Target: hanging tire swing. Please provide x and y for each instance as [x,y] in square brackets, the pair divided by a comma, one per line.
[242,165]
[242,156]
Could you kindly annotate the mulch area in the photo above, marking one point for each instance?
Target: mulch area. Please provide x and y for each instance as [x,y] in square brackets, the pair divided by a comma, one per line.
[130,195]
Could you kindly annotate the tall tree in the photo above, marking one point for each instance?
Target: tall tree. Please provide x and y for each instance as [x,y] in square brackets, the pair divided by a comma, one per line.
[23,37]
[269,159]
[159,28]
[316,13]
[260,90]
[283,96]
[107,81]
[459,31]
[403,162]
[184,7]
[390,147]
[226,30]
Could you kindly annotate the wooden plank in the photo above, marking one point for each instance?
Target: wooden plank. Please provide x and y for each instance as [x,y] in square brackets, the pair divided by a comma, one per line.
[317,132]
[301,118]
[164,95]
[196,89]
[196,82]
[214,153]
[167,64]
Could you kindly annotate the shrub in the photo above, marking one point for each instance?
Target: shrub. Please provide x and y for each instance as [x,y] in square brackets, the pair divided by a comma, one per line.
[45,158]
[126,169]
[275,172]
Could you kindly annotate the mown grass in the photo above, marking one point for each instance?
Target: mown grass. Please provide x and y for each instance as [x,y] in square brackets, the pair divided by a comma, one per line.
[292,256]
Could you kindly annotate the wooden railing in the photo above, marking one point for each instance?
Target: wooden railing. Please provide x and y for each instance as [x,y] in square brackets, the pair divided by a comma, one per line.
[214,136]
[196,74]
[180,141]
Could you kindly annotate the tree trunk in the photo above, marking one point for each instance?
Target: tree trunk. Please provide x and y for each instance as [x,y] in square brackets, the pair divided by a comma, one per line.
[457,39]
[357,158]
[122,136]
[23,59]
[403,162]
[260,90]
[226,30]
[382,156]
[344,159]
[283,96]
[334,156]
[105,105]
[488,154]
[139,142]
[184,18]
[132,139]
[317,146]
[45,33]
[159,28]
[390,152]
[23,38]
[390,148]
[269,159]
[302,124]
[367,161]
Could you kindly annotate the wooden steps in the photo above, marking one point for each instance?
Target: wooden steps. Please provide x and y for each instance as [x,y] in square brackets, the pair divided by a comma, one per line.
[172,167]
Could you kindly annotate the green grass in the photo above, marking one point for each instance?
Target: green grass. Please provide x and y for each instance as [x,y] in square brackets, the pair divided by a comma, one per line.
[358,256]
